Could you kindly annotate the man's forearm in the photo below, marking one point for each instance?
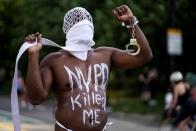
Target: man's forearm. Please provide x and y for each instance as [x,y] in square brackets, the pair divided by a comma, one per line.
[34,81]
[145,49]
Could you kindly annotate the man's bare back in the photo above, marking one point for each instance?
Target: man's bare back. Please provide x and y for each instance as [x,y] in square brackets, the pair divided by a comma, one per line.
[80,86]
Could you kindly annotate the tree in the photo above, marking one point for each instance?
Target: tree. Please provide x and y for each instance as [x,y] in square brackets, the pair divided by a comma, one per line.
[19,18]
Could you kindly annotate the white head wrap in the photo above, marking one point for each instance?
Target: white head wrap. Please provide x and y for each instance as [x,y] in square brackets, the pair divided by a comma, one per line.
[79,30]
[74,16]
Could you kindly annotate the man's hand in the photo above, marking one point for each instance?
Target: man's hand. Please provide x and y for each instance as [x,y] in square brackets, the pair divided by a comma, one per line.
[123,14]
[33,38]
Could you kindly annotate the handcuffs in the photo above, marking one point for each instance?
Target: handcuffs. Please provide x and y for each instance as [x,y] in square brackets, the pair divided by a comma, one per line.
[133,41]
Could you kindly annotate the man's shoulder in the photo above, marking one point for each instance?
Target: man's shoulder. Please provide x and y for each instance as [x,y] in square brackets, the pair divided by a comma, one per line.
[51,57]
[107,51]
[55,55]
[105,48]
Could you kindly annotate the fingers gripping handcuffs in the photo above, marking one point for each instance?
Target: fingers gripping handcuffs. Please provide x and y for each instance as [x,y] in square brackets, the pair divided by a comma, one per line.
[133,41]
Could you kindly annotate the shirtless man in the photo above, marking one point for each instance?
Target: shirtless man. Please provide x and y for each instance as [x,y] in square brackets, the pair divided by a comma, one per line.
[80,86]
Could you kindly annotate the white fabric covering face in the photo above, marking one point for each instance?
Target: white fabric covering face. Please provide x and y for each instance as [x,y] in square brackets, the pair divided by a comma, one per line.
[79,30]
[80,39]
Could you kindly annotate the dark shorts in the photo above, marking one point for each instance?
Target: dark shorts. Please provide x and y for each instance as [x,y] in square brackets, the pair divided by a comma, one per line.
[187,110]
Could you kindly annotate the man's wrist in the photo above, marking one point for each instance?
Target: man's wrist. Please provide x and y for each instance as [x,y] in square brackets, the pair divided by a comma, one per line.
[131,22]
[33,55]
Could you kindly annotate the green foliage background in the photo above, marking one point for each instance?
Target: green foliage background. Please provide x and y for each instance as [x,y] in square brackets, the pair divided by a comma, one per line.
[18,18]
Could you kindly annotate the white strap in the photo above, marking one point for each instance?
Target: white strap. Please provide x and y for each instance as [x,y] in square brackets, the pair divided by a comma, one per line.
[14,95]
[59,124]
[106,125]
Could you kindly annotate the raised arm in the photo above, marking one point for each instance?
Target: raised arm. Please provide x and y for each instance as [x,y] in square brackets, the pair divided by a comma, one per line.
[121,58]
[39,77]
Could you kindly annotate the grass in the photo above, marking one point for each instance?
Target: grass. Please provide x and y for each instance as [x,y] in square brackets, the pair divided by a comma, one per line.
[135,105]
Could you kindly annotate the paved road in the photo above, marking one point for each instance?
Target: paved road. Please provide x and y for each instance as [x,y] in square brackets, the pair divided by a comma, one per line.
[41,118]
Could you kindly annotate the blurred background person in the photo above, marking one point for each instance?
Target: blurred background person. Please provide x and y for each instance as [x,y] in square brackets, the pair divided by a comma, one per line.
[167,103]
[148,84]
[153,85]
[144,84]
[181,101]
[22,93]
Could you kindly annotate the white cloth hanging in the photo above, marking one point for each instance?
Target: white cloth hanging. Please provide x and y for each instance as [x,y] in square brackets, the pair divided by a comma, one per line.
[14,96]
[79,41]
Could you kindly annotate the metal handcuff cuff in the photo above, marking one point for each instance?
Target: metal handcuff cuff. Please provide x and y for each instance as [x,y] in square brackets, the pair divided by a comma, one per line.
[133,41]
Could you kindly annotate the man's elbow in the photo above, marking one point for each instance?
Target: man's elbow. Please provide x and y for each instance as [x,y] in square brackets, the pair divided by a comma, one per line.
[37,101]
[147,57]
